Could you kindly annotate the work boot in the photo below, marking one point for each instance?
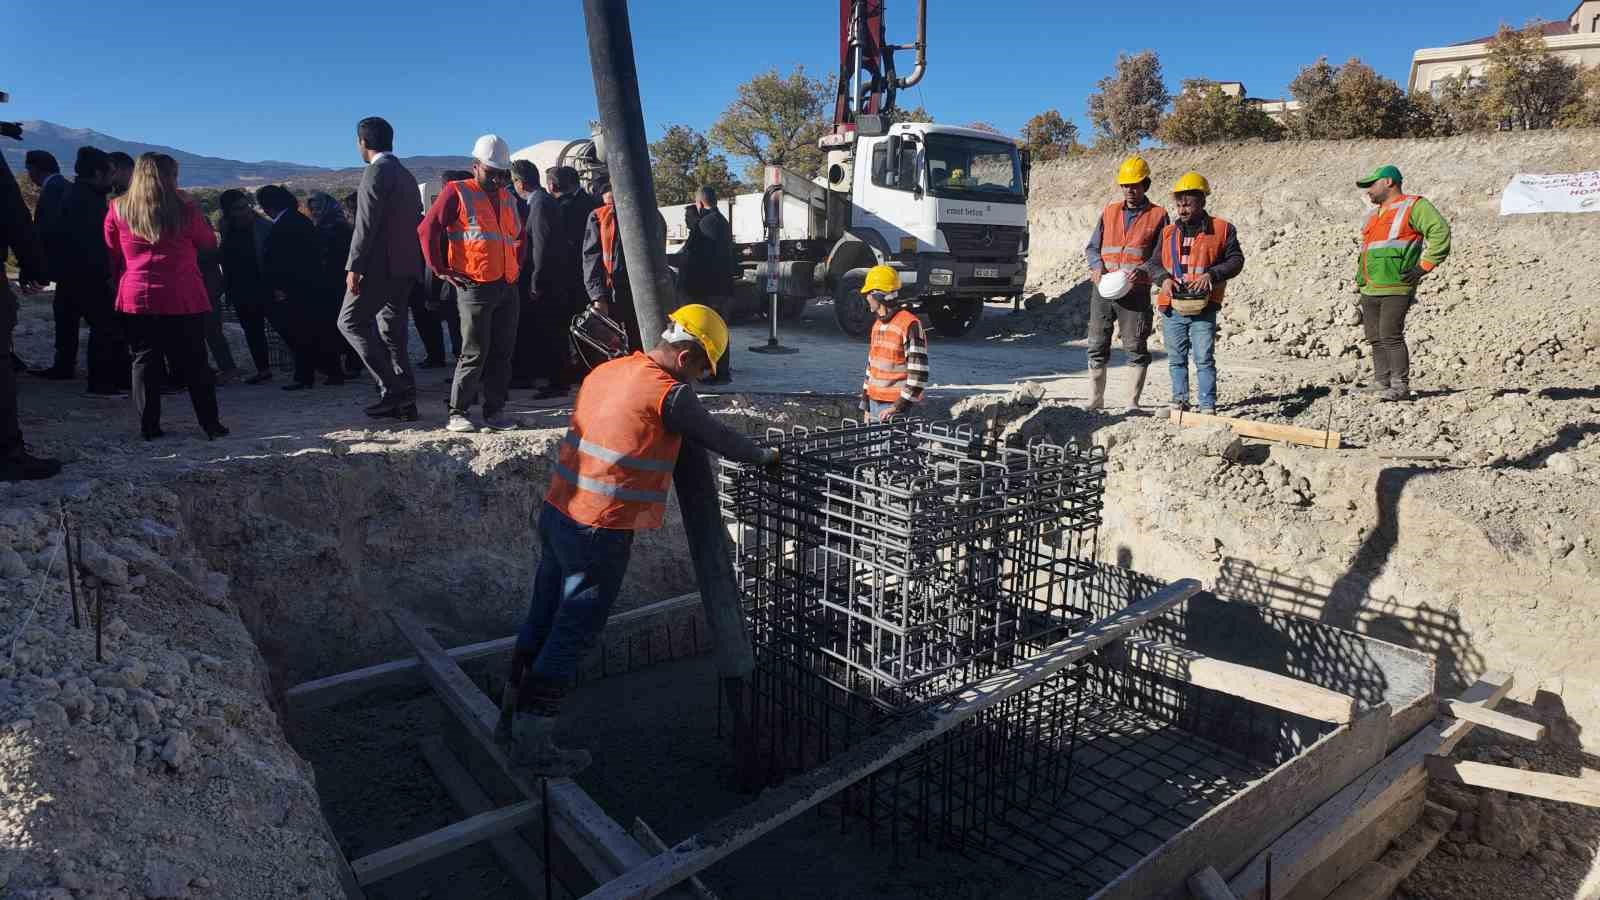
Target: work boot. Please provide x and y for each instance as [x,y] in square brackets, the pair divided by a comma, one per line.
[1398,390]
[1139,374]
[534,749]
[1374,389]
[1097,389]
[24,466]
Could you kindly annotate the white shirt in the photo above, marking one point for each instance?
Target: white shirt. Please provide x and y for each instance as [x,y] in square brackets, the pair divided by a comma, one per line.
[379,155]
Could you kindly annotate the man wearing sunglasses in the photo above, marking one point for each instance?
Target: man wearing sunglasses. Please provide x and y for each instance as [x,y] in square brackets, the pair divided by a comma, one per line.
[472,239]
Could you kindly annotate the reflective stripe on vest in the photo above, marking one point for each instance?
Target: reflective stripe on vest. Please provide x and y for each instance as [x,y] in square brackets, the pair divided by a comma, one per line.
[886,356]
[614,467]
[481,243]
[1398,235]
[1204,251]
[1127,248]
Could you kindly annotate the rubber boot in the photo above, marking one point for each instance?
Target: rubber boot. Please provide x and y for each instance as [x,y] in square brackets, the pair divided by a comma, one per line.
[1138,387]
[1097,389]
[535,750]
[520,661]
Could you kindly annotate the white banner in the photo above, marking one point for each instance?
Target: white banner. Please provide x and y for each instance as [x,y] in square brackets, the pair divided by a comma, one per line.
[1578,192]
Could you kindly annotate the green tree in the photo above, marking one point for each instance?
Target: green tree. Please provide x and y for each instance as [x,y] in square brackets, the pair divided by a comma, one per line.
[1527,87]
[1348,101]
[776,120]
[1204,114]
[1126,106]
[1454,104]
[1584,109]
[682,162]
[1049,136]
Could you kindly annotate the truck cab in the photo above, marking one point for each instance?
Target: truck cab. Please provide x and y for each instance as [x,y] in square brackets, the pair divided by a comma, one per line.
[946,206]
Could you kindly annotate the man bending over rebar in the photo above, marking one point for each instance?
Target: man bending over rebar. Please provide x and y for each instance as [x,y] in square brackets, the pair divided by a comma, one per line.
[611,479]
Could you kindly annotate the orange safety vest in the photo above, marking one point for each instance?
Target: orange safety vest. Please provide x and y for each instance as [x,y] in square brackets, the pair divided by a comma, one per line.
[1126,249]
[886,356]
[615,464]
[1389,228]
[606,216]
[482,242]
[1205,250]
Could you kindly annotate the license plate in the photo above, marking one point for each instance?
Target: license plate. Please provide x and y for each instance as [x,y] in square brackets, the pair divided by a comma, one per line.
[985,272]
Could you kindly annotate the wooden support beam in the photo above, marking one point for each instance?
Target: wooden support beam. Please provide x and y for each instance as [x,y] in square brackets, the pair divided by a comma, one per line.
[408,855]
[784,802]
[1382,876]
[594,838]
[1582,791]
[1206,884]
[1268,431]
[1237,680]
[648,839]
[514,854]
[347,878]
[344,686]
[1493,720]
[1318,836]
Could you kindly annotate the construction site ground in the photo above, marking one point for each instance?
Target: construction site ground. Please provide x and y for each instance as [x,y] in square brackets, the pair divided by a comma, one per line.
[234,569]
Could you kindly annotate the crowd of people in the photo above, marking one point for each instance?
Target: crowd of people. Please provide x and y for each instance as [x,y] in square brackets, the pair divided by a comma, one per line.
[491,274]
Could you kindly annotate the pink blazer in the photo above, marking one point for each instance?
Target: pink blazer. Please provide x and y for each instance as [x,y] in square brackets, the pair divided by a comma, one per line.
[160,279]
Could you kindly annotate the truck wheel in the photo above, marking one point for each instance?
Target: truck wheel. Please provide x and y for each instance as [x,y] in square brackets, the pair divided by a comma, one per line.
[850,309]
[954,318]
[790,307]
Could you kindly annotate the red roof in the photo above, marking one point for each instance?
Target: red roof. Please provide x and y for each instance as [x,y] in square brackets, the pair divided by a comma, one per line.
[1548,29]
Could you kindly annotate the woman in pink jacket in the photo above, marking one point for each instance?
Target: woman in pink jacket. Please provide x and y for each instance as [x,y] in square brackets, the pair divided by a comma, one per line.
[153,232]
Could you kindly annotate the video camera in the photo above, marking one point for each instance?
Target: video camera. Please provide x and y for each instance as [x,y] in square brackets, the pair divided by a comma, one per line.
[11,130]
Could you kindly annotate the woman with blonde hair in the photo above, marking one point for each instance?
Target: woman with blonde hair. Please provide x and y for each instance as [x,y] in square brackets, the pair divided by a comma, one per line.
[154,232]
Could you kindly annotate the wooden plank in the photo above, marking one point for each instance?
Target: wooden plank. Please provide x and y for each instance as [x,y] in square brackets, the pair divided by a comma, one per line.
[784,802]
[1236,680]
[647,838]
[1269,431]
[595,839]
[1248,822]
[1320,834]
[407,855]
[1206,884]
[347,878]
[1582,791]
[321,692]
[514,854]
[1493,720]
[1382,876]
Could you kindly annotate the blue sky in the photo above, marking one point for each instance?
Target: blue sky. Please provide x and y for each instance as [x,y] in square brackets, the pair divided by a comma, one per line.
[287,79]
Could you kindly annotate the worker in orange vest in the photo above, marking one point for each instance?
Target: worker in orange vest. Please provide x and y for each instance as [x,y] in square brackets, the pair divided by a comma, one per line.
[472,238]
[1198,254]
[1403,240]
[897,356]
[1124,239]
[611,479]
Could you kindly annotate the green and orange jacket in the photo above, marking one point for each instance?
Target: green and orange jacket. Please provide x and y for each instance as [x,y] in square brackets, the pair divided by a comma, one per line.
[1405,233]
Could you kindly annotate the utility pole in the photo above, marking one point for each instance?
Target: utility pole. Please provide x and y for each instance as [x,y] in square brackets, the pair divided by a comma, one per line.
[616,94]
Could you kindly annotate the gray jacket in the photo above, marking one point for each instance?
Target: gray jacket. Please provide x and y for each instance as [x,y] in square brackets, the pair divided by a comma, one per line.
[388,210]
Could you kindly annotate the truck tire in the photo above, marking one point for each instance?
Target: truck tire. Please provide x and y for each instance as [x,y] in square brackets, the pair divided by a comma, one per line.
[954,318]
[850,309]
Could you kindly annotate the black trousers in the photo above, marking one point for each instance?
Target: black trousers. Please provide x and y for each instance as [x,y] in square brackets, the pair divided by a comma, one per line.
[93,300]
[313,337]
[10,431]
[252,313]
[430,327]
[1131,315]
[1383,321]
[543,339]
[182,339]
[489,314]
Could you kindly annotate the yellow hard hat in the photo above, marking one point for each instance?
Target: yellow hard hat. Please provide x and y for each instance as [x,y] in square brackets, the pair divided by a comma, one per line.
[1192,181]
[881,278]
[1134,170]
[957,174]
[702,323]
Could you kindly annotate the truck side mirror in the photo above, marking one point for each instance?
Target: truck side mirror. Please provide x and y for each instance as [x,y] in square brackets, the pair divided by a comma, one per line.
[1027,169]
[893,174]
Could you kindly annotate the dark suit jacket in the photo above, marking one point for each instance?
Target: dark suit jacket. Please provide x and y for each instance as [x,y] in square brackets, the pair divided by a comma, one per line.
[388,210]
[16,230]
[708,257]
[291,261]
[75,240]
[46,210]
[543,245]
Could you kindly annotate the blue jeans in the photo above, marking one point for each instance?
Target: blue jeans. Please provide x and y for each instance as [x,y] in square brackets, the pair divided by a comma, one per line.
[1183,334]
[580,574]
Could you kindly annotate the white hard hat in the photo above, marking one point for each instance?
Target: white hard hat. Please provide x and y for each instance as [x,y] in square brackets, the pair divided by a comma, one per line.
[1115,285]
[491,150]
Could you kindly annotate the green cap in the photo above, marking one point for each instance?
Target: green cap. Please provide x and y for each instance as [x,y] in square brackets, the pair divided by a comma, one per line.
[1389,172]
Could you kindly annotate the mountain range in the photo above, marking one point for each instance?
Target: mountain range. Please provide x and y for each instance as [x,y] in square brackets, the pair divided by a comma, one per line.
[196,170]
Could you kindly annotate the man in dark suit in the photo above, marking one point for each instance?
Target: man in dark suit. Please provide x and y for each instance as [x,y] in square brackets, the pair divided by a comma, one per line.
[542,332]
[76,239]
[45,173]
[708,267]
[385,261]
[16,233]
[291,265]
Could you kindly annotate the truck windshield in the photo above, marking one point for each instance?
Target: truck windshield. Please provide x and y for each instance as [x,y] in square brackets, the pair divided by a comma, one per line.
[973,168]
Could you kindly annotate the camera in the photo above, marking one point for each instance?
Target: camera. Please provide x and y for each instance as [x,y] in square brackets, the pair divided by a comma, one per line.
[11,130]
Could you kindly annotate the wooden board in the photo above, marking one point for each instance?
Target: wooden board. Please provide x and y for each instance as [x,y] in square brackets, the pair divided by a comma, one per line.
[1382,876]
[784,802]
[1360,803]
[402,857]
[647,838]
[1493,720]
[344,686]
[514,854]
[1268,431]
[1206,884]
[1246,682]
[1582,791]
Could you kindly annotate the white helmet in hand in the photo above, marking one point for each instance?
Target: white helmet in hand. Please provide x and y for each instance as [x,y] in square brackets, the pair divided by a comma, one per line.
[1115,285]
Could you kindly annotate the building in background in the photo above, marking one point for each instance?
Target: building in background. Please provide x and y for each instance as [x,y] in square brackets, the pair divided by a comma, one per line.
[1575,40]
[1275,109]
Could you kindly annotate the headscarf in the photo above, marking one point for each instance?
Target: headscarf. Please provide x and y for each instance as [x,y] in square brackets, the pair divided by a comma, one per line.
[328,210]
